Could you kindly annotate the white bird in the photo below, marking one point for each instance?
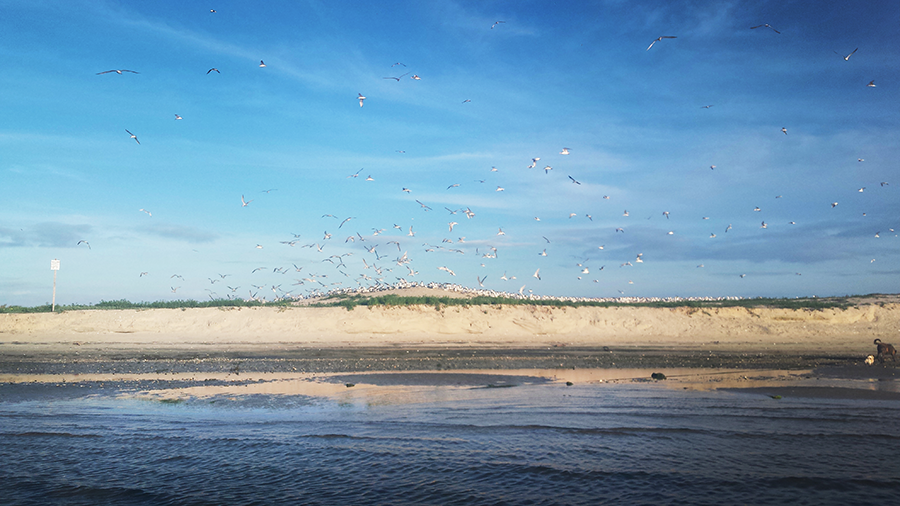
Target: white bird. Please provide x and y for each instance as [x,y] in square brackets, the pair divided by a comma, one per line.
[466,100]
[451,224]
[481,280]
[706,106]
[625,213]
[547,169]
[847,58]
[416,77]
[423,206]
[411,233]
[500,231]
[146,211]
[871,84]
[395,78]
[713,167]
[496,23]
[565,151]
[345,221]
[784,130]
[85,242]
[133,136]
[834,204]
[534,162]
[361,98]
[861,189]
[764,25]
[728,228]
[245,203]
[500,188]
[537,274]
[117,71]
[442,268]
[712,236]
[543,253]
[575,181]
[177,117]
[213,69]
[659,39]
[764,225]
[261,64]
[666,214]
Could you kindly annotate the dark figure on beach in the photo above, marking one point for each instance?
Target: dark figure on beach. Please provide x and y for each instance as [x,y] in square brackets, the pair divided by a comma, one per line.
[885,349]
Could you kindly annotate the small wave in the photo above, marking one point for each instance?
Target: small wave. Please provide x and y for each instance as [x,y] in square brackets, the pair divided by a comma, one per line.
[48,434]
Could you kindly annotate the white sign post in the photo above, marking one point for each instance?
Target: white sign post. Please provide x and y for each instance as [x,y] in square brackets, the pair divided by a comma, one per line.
[54,266]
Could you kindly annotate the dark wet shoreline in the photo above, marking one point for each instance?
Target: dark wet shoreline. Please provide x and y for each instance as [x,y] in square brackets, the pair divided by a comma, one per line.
[357,359]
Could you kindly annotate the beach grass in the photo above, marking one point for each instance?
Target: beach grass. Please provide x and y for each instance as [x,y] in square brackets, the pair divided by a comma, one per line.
[350,302]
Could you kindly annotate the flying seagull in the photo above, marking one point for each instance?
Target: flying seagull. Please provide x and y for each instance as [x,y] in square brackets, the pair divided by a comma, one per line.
[146,211]
[574,180]
[117,71]
[210,70]
[177,117]
[767,25]
[565,151]
[361,98]
[871,84]
[85,242]
[496,23]
[784,130]
[245,203]
[395,78]
[133,136]
[706,106]
[261,64]
[847,58]
[659,39]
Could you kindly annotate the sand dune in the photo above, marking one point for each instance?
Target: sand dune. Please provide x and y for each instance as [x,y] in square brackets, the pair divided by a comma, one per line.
[740,329]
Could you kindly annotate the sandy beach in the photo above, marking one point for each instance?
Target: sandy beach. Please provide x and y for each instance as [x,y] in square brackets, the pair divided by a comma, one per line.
[278,346]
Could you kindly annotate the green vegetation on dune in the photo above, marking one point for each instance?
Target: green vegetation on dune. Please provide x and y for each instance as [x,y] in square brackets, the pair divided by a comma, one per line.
[124,304]
[351,301]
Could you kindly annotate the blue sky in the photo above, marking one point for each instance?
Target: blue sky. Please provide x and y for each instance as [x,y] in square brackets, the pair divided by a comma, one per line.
[549,77]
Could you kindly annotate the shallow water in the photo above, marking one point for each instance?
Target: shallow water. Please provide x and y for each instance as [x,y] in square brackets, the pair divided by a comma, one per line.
[529,444]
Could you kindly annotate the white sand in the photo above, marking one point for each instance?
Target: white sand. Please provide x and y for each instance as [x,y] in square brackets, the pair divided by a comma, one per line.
[737,329]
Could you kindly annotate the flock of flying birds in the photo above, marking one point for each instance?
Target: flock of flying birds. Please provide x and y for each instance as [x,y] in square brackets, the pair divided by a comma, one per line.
[378,264]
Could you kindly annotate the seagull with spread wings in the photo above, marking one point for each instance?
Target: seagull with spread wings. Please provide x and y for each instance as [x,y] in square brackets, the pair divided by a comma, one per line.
[765,25]
[395,78]
[847,58]
[133,136]
[119,71]
[661,37]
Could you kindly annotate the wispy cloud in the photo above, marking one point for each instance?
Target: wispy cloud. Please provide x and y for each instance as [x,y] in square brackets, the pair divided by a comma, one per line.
[49,234]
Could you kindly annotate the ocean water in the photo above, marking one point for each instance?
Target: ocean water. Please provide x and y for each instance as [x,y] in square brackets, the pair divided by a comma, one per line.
[529,444]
